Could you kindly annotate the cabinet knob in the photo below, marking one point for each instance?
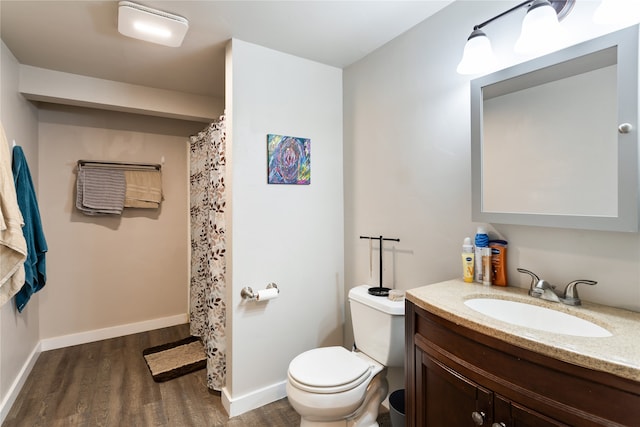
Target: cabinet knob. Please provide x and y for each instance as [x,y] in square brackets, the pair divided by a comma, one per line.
[478,417]
[498,425]
[625,128]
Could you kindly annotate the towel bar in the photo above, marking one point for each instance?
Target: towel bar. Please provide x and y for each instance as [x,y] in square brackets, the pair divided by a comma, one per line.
[133,165]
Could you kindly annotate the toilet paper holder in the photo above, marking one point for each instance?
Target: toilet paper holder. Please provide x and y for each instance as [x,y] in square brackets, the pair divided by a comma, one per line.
[249,294]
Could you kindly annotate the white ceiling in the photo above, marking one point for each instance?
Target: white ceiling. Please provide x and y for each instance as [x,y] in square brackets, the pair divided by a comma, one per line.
[81,37]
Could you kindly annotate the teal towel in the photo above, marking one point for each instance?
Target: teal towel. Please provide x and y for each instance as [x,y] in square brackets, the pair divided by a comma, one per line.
[34,266]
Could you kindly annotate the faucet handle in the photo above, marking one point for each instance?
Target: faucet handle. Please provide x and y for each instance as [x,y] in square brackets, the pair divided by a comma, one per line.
[571,291]
[534,278]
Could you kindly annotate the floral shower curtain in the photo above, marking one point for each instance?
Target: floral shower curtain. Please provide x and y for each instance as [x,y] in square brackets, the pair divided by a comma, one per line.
[208,267]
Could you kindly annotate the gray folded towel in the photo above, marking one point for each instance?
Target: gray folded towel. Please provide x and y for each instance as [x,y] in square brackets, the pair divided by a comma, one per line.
[100,191]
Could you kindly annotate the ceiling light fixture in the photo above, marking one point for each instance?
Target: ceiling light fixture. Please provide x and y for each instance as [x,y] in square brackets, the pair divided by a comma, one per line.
[541,33]
[151,25]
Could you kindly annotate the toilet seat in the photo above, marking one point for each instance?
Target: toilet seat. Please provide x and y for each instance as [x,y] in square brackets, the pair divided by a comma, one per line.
[328,370]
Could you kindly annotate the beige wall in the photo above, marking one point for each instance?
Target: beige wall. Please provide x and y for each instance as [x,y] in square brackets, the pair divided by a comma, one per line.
[19,332]
[111,271]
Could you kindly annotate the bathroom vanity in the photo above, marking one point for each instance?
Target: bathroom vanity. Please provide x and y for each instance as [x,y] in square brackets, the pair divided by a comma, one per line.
[465,368]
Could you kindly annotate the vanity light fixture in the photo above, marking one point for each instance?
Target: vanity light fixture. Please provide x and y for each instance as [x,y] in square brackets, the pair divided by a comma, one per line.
[151,25]
[541,30]
[621,12]
[478,55]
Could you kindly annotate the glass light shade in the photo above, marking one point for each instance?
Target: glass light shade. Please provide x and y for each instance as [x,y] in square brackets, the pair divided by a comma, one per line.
[621,12]
[478,55]
[541,31]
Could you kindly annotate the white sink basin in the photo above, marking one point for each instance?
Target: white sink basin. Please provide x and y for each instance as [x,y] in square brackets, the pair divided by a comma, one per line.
[536,317]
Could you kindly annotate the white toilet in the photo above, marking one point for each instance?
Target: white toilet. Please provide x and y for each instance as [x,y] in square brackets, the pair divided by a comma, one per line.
[331,386]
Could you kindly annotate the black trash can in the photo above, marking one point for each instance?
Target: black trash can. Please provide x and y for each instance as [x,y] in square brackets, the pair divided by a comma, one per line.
[396,408]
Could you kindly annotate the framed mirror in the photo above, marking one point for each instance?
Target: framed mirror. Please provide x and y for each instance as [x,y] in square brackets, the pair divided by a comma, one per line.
[554,140]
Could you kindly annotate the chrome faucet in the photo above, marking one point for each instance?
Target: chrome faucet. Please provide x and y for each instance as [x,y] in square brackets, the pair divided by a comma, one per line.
[544,290]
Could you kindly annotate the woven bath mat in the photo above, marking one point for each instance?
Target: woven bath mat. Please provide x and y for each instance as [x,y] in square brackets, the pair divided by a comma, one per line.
[169,361]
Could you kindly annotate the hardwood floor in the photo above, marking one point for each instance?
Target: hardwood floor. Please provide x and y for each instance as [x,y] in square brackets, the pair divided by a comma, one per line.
[107,383]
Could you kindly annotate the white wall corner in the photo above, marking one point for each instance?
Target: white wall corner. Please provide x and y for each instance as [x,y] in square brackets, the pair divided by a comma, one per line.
[239,405]
[18,383]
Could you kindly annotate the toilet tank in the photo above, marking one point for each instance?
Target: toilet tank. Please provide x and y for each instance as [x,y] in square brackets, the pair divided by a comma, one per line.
[378,326]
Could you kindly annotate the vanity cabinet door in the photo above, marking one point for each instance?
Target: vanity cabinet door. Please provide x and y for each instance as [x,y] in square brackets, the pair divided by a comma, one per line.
[451,399]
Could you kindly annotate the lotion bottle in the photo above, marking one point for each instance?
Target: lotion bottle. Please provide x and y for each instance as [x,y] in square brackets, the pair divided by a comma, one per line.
[499,261]
[467,260]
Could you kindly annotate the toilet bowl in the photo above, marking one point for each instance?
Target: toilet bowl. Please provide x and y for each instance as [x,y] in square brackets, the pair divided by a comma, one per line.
[335,387]
[331,387]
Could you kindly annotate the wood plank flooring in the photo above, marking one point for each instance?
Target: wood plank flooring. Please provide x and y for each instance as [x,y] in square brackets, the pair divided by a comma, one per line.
[107,383]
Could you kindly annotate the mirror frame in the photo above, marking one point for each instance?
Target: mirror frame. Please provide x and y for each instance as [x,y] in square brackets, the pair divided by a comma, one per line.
[626,43]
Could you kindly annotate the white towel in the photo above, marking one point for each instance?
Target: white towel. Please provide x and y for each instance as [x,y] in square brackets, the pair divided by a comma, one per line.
[13,247]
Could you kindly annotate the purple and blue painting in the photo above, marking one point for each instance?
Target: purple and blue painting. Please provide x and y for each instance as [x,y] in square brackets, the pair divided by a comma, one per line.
[289,160]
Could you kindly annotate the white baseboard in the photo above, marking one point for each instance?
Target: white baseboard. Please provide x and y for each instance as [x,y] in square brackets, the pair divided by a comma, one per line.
[112,332]
[239,405]
[18,383]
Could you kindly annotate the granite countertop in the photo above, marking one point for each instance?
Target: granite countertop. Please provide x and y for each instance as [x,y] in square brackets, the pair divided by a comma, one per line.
[618,354]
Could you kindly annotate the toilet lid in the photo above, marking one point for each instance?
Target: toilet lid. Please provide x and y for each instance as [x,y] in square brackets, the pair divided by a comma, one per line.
[329,367]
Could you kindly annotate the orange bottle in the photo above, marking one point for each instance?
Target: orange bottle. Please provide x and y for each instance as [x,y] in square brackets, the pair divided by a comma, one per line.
[499,261]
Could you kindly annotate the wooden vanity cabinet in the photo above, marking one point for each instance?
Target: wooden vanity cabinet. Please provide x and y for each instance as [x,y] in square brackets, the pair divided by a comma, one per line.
[459,377]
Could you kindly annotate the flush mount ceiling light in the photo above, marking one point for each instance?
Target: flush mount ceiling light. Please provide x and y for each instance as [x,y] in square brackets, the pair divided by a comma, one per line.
[152,25]
[541,33]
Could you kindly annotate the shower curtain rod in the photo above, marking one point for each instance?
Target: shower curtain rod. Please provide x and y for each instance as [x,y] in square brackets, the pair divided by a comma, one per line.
[119,164]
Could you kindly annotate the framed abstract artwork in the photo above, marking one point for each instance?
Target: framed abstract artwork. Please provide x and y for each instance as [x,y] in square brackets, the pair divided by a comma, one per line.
[289,160]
